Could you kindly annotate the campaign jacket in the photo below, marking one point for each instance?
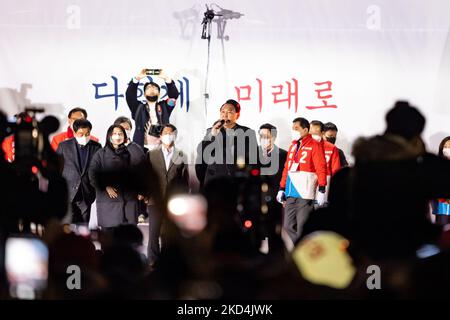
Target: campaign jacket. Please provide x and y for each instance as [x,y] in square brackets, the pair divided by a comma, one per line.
[305,169]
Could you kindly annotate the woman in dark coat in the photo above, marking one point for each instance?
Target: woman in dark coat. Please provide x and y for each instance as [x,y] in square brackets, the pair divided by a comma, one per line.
[116,173]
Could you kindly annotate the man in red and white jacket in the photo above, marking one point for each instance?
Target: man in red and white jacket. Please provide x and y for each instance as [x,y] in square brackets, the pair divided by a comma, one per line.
[316,129]
[304,175]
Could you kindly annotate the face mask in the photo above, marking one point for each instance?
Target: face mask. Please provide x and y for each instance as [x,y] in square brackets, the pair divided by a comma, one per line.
[116,139]
[295,135]
[82,140]
[167,139]
[316,137]
[446,152]
[128,132]
[152,98]
[331,139]
[265,143]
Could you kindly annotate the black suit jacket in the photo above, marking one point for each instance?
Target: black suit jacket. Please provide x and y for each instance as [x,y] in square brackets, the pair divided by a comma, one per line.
[76,176]
[274,170]
[139,111]
[209,164]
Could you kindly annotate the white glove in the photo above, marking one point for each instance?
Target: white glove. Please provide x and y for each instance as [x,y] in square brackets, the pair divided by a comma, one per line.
[281,197]
[321,198]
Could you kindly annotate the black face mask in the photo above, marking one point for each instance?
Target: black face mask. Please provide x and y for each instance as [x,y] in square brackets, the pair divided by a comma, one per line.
[331,139]
[152,98]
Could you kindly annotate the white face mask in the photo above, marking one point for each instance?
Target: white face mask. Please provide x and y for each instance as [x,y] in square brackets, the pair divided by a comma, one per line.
[295,135]
[116,139]
[167,139]
[446,152]
[83,140]
[316,137]
[264,143]
[128,132]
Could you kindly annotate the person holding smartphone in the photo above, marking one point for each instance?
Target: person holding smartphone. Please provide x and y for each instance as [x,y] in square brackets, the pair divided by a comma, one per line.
[152,112]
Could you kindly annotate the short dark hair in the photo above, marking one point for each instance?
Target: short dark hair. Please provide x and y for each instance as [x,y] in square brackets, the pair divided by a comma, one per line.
[120,120]
[83,111]
[153,84]
[441,146]
[317,123]
[271,128]
[81,124]
[168,125]
[405,120]
[330,126]
[303,122]
[234,103]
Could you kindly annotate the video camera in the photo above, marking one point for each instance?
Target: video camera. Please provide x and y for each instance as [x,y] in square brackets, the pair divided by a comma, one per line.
[155,130]
[34,173]
[28,137]
[31,137]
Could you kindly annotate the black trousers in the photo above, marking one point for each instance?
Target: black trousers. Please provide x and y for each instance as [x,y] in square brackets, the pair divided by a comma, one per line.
[80,211]
[154,224]
[296,212]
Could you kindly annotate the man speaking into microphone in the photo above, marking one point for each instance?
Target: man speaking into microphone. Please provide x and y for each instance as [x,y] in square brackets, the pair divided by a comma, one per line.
[226,146]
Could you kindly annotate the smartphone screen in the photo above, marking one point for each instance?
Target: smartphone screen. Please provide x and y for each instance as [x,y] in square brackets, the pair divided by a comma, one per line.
[152,72]
[26,266]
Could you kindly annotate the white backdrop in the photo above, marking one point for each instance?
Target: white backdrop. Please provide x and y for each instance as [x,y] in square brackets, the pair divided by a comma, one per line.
[372,52]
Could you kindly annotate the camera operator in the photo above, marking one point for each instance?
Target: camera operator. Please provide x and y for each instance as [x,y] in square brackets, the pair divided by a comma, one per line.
[32,187]
[8,188]
[150,112]
[8,143]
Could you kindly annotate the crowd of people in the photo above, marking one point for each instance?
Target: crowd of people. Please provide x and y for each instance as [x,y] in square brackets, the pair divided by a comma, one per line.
[389,204]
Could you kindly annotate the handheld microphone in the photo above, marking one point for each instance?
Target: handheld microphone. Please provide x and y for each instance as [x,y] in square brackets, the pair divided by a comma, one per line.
[219,123]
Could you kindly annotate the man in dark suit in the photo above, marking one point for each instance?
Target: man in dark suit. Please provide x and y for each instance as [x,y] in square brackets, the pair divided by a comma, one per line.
[77,154]
[170,166]
[226,147]
[151,112]
[272,160]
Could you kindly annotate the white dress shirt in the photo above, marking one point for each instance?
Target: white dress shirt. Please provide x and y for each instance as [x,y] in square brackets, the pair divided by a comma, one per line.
[168,154]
